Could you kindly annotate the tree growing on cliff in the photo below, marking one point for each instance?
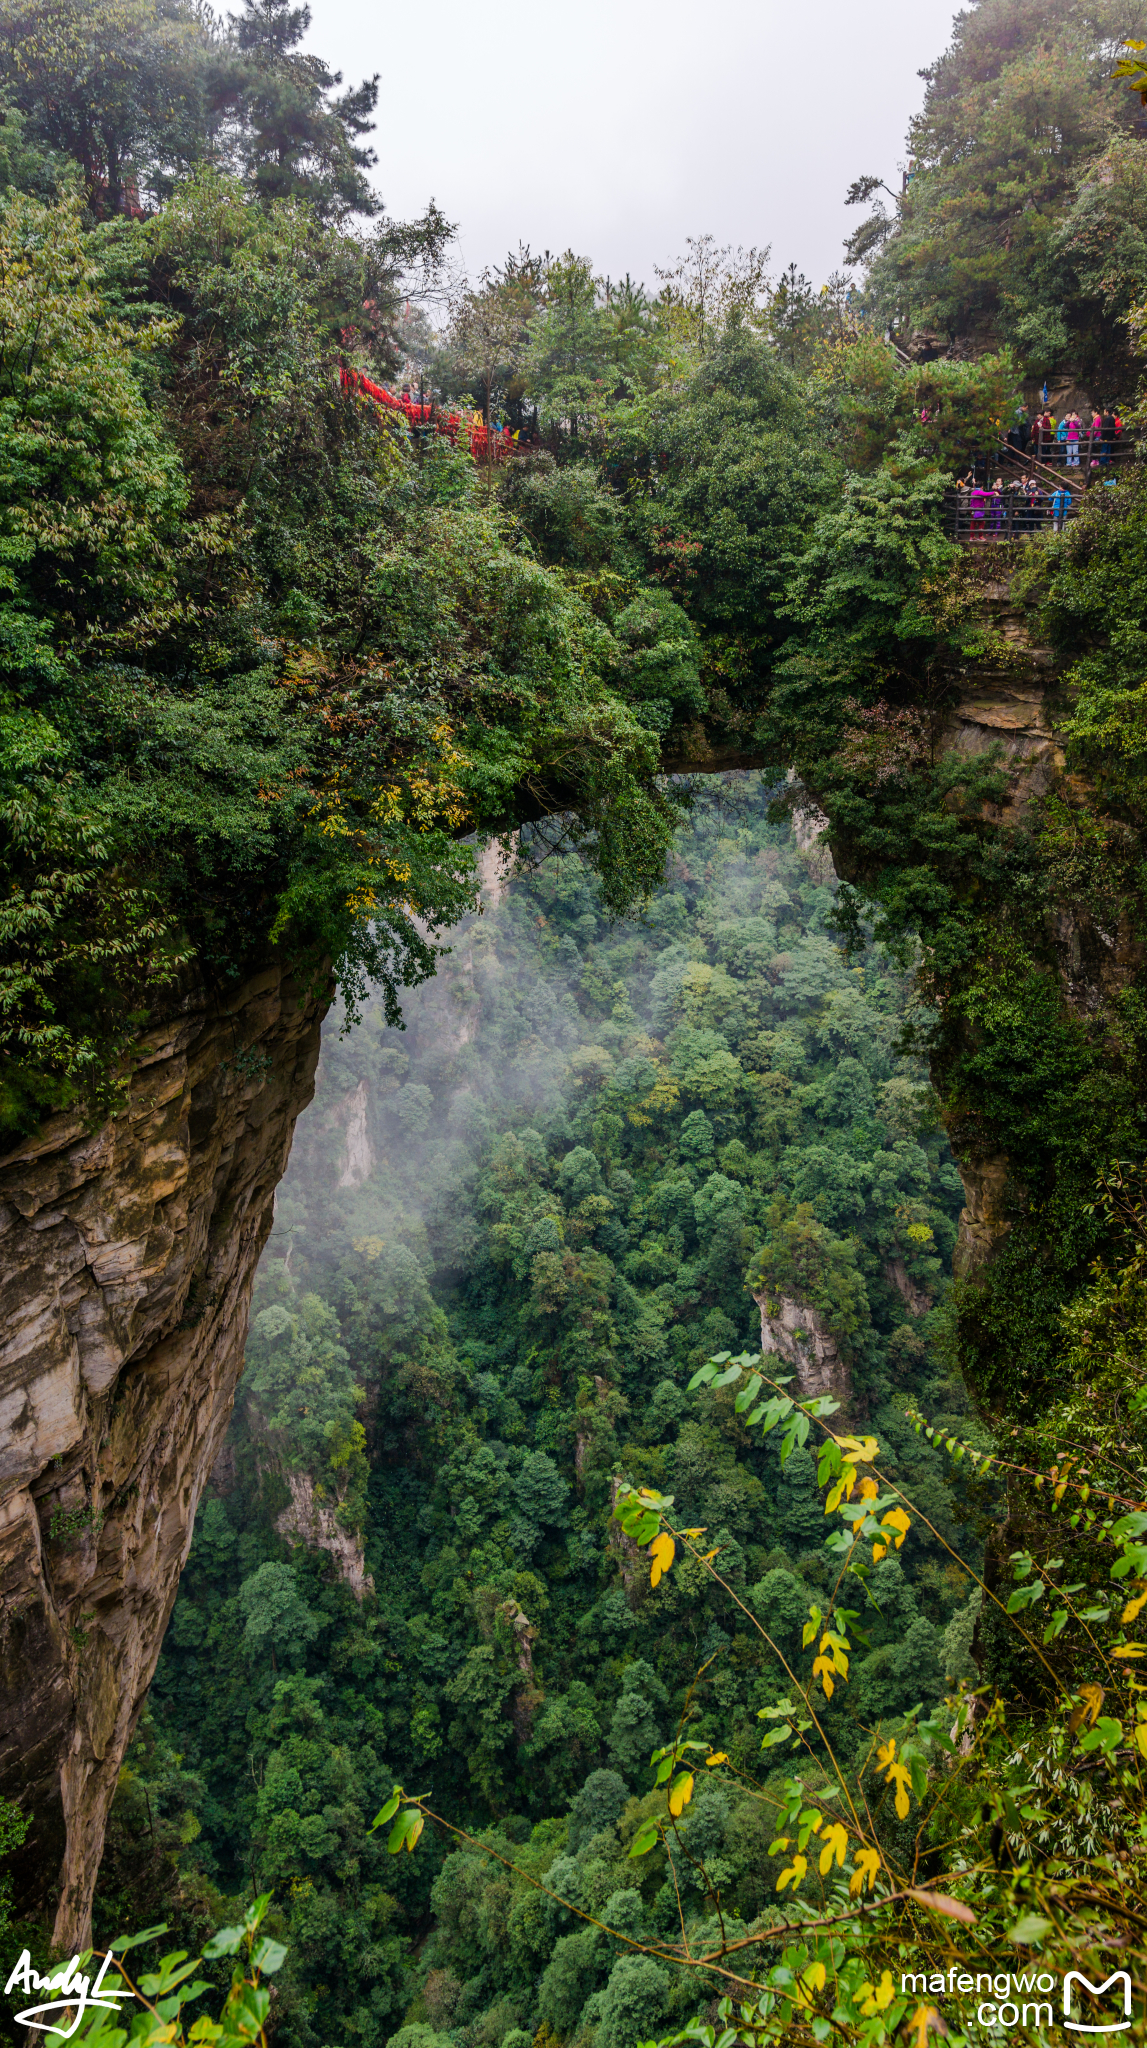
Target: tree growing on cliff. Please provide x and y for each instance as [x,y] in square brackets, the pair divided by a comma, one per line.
[801,1261]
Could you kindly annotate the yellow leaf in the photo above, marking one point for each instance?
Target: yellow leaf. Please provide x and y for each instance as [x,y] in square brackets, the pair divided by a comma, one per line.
[662,1550]
[1130,1650]
[718,1757]
[815,1977]
[835,1843]
[1133,1608]
[415,1830]
[896,1774]
[860,1450]
[680,1793]
[822,1669]
[926,2020]
[1091,1697]
[1141,1738]
[879,1550]
[865,1865]
[896,1519]
[843,1488]
[877,1997]
[868,1489]
[794,1873]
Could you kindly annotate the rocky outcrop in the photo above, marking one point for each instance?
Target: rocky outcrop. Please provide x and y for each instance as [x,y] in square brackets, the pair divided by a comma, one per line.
[917,1300]
[984,1222]
[797,1336]
[358,1153]
[528,1696]
[313,1522]
[495,859]
[128,1254]
[633,1563]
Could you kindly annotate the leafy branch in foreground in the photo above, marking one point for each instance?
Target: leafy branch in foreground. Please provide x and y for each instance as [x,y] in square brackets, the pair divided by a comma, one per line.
[954,1839]
[164,1992]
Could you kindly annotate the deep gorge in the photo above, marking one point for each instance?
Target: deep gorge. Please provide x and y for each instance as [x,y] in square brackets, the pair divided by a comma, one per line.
[663,1428]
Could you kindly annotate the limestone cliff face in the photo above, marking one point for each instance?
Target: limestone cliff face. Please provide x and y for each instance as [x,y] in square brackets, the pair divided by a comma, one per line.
[127,1255]
[358,1153]
[313,1522]
[797,1336]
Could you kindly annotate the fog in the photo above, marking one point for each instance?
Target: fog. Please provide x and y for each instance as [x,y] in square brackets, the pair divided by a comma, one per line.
[618,127]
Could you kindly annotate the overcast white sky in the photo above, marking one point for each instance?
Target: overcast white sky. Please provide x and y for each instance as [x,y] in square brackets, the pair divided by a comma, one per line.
[618,127]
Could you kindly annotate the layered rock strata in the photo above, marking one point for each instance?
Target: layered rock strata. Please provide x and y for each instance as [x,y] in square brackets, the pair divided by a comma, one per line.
[127,1255]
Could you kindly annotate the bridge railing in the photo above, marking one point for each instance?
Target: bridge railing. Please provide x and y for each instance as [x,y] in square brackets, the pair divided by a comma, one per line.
[980,516]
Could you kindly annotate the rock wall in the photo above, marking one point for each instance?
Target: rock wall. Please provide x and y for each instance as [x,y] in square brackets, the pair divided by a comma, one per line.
[1011,702]
[358,1153]
[797,1336]
[128,1254]
[307,1520]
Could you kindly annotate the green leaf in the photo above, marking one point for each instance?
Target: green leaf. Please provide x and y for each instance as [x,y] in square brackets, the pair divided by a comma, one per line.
[647,1528]
[1030,1928]
[226,1941]
[645,1839]
[397,1835]
[777,1409]
[169,1974]
[269,1956]
[123,1942]
[388,1811]
[731,1372]
[169,2008]
[1106,1735]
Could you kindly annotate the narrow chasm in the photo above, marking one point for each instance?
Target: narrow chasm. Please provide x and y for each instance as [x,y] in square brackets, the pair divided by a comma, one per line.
[406,1567]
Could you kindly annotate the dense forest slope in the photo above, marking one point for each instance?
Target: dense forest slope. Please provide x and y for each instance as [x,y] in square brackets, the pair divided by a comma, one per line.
[507,1237]
[274,661]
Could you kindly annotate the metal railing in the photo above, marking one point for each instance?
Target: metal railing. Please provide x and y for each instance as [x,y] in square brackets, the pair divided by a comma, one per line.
[1085,451]
[980,516]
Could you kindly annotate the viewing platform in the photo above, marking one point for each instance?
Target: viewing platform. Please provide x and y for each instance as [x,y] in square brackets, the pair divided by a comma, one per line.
[1025,496]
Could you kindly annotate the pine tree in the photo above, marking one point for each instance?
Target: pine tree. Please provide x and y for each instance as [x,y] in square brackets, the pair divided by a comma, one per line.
[299,141]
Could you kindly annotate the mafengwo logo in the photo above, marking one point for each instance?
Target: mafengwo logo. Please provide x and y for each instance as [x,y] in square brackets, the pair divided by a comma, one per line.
[1035,1999]
[1076,1977]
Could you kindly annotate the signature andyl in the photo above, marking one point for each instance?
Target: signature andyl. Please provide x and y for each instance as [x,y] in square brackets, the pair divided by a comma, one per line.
[76,1993]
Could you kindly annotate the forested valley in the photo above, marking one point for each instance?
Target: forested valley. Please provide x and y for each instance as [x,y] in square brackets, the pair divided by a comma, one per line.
[582,1138]
[674,1570]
